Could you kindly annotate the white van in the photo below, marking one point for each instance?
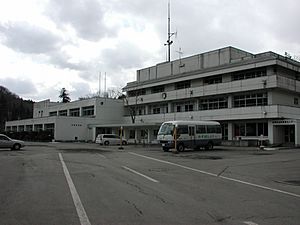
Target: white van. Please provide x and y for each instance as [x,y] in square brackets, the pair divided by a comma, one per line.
[109,139]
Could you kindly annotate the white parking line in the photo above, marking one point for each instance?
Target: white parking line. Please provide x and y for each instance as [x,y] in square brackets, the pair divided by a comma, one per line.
[133,171]
[102,156]
[222,177]
[84,220]
[250,223]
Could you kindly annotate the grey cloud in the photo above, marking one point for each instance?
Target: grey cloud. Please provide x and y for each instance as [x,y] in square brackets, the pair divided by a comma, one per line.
[28,38]
[85,16]
[124,56]
[63,61]
[80,89]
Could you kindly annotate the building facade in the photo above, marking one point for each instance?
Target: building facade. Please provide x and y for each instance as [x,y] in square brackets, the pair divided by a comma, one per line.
[71,121]
[253,96]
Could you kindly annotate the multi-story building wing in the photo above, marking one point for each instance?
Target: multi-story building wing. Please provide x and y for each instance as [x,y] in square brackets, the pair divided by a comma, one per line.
[254,96]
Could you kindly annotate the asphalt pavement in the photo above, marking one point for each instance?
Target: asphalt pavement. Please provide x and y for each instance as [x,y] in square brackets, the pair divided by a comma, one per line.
[84,183]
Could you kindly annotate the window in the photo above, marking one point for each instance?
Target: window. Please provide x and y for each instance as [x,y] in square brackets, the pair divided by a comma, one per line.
[224,131]
[159,108]
[213,129]
[248,74]
[156,110]
[247,100]
[189,107]
[157,89]
[132,134]
[213,103]
[88,111]
[54,113]
[212,80]
[63,113]
[144,134]
[251,129]
[136,93]
[182,129]
[182,85]
[74,112]
[262,129]
[200,129]
[183,106]
[3,138]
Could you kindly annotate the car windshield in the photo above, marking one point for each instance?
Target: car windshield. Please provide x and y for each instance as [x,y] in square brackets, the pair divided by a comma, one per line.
[166,129]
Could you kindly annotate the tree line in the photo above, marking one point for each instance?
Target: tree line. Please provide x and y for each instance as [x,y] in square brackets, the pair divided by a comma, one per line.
[12,107]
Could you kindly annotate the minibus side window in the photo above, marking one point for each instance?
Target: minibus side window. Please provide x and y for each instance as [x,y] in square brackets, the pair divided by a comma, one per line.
[200,129]
[182,129]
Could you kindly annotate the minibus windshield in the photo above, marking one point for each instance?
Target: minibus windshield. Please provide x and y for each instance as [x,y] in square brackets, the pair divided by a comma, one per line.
[166,129]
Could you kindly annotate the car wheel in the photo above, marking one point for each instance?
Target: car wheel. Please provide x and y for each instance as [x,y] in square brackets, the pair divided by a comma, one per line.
[180,147]
[16,147]
[124,142]
[106,142]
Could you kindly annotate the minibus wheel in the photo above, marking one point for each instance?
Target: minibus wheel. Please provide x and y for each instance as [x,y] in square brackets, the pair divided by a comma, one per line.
[209,146]
[165,149]
[180,147]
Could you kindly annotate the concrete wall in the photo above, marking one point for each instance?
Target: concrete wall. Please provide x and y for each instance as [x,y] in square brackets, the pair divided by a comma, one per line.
[284,98]
[197,62]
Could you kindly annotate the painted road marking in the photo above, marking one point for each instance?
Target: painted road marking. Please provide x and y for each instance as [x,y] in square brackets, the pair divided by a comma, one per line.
[102,156]
[133,171]
[216,175]
[84,220]
[250,223]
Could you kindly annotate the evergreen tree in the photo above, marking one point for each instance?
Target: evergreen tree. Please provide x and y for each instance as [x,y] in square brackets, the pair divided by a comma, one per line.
[64,95]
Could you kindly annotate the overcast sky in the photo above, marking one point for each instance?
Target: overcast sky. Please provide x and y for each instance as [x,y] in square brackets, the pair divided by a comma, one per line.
[46,45]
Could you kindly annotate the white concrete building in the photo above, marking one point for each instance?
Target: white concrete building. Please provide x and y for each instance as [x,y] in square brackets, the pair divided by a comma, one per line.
[253,96]
[71,121]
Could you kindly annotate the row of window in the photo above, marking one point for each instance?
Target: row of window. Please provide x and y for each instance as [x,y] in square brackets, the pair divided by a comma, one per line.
[241,75]
[86,111]
[250,129]
[36,127]
[245,100]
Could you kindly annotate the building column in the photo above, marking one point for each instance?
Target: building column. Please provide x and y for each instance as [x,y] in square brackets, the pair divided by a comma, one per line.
[149,134]
[229,102]
[136,136]
[297,133]
[169,107]
[230,131]
[270,132]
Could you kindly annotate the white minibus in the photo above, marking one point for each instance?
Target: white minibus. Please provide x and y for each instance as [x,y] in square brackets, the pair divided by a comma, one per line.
[189,134]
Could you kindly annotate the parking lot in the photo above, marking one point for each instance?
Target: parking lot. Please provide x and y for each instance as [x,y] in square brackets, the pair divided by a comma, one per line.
[79,183]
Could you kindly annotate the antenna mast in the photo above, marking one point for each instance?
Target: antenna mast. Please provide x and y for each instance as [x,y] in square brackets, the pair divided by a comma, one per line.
[170,34]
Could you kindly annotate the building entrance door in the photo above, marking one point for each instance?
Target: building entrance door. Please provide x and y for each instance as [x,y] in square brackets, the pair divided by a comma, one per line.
[289,134]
